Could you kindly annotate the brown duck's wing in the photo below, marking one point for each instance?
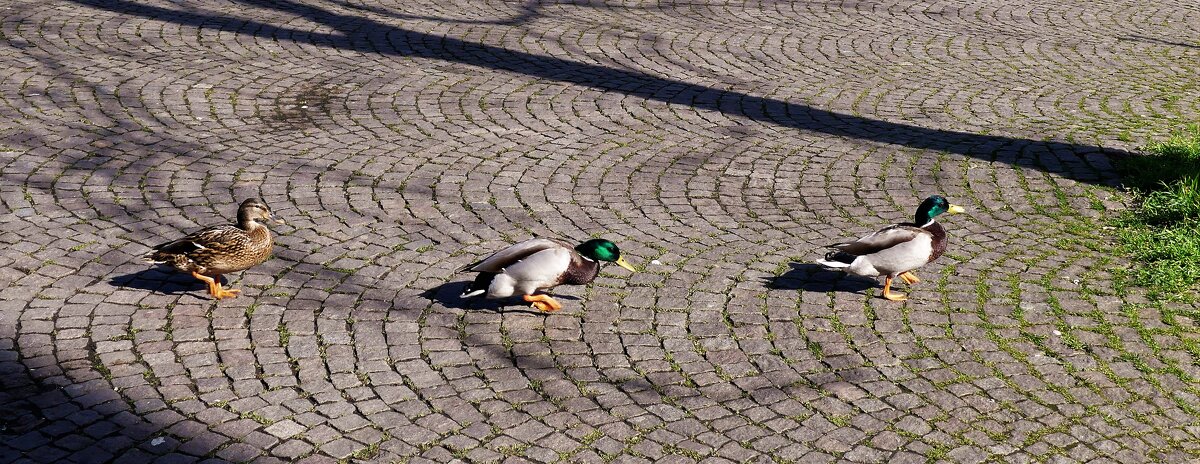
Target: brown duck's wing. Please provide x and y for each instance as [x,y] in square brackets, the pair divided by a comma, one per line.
[226,239]
[178,247]
[881,240]
[508,256]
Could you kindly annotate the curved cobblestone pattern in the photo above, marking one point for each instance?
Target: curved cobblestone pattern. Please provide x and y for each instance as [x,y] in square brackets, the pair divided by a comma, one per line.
[720,145]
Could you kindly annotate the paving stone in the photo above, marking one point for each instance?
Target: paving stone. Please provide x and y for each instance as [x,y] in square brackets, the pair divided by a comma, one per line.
[720,145]
[292,449]
[285,429]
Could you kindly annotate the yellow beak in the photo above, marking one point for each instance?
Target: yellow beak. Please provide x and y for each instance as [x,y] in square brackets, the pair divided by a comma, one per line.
[625,264]
[955,209]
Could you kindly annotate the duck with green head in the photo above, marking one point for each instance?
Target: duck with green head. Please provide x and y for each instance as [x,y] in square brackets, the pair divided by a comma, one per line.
[896,250]
[538,265]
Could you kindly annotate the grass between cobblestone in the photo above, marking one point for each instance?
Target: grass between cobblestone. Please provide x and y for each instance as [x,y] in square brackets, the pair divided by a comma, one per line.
[1163,231]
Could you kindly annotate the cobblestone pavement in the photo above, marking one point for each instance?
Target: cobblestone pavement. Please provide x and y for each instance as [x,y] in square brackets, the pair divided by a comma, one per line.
[719,144]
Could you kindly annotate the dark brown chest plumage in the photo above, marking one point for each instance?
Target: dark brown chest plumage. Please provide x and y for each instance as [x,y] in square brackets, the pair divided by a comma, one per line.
[939,240]
[580,272]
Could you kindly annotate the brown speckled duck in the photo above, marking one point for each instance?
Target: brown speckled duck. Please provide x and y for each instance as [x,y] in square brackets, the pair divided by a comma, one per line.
[896,250]
[213,251]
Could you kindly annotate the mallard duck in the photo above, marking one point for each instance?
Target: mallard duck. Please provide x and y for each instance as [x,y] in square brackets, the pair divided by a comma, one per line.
[541,264]
[896,250]
[210,252]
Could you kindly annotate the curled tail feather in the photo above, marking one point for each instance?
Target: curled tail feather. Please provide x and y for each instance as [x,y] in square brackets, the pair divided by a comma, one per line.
[479,286]
[837,260]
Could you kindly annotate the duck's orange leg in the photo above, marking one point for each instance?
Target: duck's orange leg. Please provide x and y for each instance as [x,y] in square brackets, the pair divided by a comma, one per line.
[887,291]
[207,281]
[909,277]
[542,302]
[224,293]
[214,286]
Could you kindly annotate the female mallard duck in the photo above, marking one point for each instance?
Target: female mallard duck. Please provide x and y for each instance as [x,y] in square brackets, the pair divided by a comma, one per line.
[541,264]
[217,250]
[897,249]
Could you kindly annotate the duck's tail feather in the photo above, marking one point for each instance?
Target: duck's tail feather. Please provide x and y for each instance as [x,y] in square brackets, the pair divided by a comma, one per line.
[479,286]
[837,260]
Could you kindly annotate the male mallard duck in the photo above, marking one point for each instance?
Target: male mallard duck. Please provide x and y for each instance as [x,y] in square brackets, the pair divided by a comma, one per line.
[217,250]
[897,249]
[541,264]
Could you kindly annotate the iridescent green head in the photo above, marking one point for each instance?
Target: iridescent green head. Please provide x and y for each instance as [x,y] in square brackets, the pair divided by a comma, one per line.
[934,206]
[599,249]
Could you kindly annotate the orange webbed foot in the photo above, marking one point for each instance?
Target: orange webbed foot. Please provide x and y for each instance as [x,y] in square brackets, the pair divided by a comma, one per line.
[214,286]
[226,293]
[887,291]
[909,277]
[542,302]
[895,296]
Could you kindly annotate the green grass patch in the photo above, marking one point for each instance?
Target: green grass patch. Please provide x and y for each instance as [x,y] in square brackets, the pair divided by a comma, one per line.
[1163,232]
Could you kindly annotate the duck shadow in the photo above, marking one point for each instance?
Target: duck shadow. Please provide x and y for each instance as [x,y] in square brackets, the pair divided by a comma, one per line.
[160,279]
[810,277]
[448,293]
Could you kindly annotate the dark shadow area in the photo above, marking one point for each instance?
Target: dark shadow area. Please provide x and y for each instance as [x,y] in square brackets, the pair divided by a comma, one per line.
[1079,162]
[17,416]
[47,415]
[810,277]
[20,418]
[448,293]
[1153,40]
[1167,164]
[161,279]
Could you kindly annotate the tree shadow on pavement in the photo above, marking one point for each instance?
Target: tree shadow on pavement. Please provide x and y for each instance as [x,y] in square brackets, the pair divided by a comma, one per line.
[1083,163]
[49,418]
[1154,40]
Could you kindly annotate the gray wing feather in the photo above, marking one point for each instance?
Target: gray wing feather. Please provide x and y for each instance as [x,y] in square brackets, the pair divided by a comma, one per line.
[502,259]
[881,240]
[903,256]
